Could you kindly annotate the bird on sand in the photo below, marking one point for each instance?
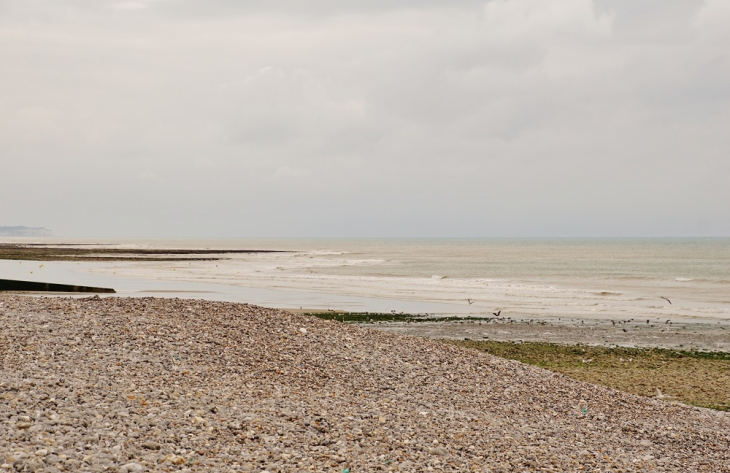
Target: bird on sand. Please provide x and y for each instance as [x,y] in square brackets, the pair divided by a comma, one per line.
[496,314]
[665,299]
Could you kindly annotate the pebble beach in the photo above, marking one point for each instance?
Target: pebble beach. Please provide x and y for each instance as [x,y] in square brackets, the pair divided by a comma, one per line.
[143,384]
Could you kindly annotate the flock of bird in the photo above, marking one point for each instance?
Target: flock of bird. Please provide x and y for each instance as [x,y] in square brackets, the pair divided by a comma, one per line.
[499,312]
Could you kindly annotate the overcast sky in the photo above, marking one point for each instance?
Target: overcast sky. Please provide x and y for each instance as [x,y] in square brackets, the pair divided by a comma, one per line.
[365,117]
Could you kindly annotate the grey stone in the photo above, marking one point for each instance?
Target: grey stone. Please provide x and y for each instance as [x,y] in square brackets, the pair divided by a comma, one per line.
[131,467]
[151,445]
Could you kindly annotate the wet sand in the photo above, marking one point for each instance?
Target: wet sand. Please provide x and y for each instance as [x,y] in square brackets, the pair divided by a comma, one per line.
[685,335]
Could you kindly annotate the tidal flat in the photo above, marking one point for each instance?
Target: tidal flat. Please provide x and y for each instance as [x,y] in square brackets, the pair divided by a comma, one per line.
[694,377]
[93,252]
[677,334]
[689,371]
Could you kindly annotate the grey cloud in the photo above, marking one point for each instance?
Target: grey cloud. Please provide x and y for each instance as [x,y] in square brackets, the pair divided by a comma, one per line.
[365,118]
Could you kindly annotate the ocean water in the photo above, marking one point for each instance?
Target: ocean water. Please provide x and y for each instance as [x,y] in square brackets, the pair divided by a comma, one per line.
[608,278]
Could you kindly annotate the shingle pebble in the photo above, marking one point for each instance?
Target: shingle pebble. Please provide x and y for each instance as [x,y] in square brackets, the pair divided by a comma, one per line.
[143,384]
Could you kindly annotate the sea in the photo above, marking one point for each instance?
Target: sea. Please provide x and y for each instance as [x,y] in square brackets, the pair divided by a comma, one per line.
[609,278]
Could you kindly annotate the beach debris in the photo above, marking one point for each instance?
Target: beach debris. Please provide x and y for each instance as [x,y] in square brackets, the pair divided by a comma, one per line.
[470,301]
[666,299]
[498,313]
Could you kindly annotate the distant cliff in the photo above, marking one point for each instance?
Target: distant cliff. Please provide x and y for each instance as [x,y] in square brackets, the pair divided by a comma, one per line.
[25,232]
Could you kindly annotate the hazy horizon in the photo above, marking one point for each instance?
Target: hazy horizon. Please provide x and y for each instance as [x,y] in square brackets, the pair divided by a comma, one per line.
[499,118]
[160,240]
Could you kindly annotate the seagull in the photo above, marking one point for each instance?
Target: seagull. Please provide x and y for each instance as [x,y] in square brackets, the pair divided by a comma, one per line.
[496,314]
[666,299]
[470,301]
